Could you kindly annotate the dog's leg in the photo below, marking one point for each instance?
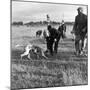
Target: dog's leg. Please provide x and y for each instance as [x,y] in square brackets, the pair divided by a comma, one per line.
[24,54]
[37,56]
[21,57]
[29,56]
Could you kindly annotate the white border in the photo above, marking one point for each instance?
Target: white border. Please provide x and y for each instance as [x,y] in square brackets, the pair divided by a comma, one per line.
[5,44]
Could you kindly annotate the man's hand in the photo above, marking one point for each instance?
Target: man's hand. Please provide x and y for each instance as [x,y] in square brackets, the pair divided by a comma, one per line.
[84,29]
[55,40]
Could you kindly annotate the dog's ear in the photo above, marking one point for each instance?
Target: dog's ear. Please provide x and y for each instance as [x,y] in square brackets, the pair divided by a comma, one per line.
[30,51]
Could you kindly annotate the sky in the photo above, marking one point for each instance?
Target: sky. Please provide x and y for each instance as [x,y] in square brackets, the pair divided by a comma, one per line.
[33,11]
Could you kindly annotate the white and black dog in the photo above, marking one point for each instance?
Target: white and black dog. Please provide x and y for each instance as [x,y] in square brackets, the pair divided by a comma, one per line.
[36,49]
[38,33]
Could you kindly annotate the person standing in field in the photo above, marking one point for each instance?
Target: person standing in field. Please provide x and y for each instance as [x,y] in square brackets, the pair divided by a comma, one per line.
[62,29]
[46,33]
[80,31]
[48,20]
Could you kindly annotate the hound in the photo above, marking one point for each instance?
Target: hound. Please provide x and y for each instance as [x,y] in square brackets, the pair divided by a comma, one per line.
[39,51]
[36,49]
[38,33]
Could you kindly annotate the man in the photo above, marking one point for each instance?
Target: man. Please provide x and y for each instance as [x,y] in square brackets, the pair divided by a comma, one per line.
[46,33]
[54,36]
[80,31]
[48,19]
[62,29]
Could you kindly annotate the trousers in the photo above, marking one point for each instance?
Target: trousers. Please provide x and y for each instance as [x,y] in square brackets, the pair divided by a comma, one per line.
[79,42]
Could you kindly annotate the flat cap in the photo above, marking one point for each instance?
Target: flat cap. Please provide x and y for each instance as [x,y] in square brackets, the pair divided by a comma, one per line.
[80,8]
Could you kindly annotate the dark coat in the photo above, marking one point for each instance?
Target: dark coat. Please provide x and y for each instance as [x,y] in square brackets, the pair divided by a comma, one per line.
[54,34]
[80,24]
[62,28]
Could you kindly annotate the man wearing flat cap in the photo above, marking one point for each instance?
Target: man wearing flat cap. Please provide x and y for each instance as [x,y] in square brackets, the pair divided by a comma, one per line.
[80,30]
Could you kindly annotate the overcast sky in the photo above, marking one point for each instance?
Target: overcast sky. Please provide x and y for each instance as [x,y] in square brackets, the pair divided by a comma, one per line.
[32,11]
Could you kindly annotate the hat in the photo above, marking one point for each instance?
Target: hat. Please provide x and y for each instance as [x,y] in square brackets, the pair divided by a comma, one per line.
[80,8]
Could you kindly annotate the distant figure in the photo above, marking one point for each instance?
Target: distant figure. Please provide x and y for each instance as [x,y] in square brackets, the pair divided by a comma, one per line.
[46,33]
[38,33]
[62,29]
[80,31]
[48,19]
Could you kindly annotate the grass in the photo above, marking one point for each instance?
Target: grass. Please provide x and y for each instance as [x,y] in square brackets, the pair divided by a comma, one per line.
[47,74]
[63,69]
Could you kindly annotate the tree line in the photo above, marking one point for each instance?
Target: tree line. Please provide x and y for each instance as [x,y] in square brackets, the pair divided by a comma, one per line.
[20,23]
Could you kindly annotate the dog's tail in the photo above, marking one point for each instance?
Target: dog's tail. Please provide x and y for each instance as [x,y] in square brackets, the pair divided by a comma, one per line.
[18,45]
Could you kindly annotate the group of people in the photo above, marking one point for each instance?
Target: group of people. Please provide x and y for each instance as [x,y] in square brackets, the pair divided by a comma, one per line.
[79,30]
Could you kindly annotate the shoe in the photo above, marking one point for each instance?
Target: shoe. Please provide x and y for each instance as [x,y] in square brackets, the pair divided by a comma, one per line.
[77,53]
[86,55]
[81,53]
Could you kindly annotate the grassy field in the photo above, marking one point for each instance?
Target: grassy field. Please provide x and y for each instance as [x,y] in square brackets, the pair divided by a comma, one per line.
[63,69]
